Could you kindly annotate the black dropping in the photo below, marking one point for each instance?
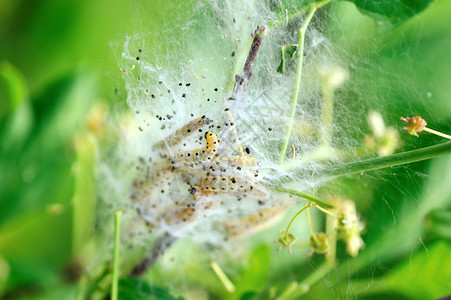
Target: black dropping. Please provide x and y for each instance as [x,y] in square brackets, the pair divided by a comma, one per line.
[216,89]
[269,128]
[248,151]
[140,51]
[137,58]
[192,190]
[180,84]
[183,95]
[233,54]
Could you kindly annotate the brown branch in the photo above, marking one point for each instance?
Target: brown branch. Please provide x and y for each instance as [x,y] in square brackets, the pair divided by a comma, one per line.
[158,249]
[242,81]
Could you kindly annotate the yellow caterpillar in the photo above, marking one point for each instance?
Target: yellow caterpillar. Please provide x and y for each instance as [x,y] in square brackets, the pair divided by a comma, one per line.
[184,131]
[201,155]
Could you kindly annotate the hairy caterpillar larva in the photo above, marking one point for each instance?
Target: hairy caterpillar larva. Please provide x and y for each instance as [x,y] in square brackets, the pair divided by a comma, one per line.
[201,155]
[250,224]
[236,161]
[184,131]
[227,185]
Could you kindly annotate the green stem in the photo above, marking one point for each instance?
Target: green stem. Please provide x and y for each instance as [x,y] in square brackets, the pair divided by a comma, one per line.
[117,231]
[389,161]
[286,295]
[295,289]
[311,227]
[304,195]
[222,277]
[437,133]
[326,211]
[348,168]
[294,102]
[296,14]
[327,116]
[294,218]
[314,277]
[331,232]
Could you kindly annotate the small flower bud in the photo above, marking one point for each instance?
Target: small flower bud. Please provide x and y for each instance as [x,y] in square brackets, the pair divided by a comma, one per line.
[319,243]
[286,240]
[414,124]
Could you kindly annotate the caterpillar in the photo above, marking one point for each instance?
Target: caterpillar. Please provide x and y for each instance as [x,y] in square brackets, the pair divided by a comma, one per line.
[143,188]
[176,215]
[201,155]
[227,185]
[236,161]
[184,131]
[256,222]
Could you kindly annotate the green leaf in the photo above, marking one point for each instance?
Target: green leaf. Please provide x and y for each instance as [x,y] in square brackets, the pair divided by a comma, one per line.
[287,52]
[254,277]
[389,14]
[15,85]
[426,275]
[438,222]
[135,289]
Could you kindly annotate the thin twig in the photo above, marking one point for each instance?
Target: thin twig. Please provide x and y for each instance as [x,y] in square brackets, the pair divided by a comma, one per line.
[158,249]
[242,81]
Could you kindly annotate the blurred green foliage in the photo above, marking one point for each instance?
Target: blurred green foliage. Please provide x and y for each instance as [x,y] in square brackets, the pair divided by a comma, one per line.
[53,61]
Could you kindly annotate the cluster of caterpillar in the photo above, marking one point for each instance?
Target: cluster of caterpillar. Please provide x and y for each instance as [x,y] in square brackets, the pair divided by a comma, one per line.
[207,174]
